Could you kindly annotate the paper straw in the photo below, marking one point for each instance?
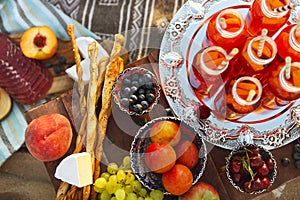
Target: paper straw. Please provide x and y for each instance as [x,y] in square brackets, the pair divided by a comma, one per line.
[285,8]
[223,23]
[261,45]
[297,33]
[251,94]
[288,63]
[233,52]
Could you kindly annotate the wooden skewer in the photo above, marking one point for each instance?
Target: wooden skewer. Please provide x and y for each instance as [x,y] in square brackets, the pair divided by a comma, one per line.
[223,23]
[251,95]
[288,61]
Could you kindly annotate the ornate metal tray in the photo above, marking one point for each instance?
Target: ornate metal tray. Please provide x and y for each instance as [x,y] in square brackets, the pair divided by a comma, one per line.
[182,39]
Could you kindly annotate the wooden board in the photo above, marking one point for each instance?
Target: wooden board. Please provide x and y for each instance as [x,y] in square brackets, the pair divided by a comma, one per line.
[117,143]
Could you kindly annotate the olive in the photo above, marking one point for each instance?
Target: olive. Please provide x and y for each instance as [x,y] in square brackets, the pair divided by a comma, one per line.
[127,81]
[135,77]
[296,155]
[134,98]
[133,89]
[150,97]
[126,92]
[285,162]
[142,97]
[147,77]
[144,104]
[125,102]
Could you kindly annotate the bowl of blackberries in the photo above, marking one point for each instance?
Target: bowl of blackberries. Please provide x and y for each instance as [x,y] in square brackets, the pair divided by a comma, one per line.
[251,168]
[136,91]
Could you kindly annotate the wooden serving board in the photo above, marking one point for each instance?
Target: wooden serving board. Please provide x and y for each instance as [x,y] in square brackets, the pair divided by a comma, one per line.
[118,141]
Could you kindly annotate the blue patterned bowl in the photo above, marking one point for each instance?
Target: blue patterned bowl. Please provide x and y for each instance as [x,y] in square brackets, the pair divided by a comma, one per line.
[153,180]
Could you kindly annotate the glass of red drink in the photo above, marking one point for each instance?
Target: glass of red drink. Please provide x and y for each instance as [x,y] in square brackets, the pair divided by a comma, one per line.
[209,69]
[269,14]
[226,30]
[288,43]
[243,96]
[251,62]
[279,89]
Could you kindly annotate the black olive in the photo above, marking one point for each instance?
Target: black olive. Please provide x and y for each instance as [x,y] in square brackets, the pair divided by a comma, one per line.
[150,97]
[297,147]
[133,89]
[142,97]
[135,77]
[126,81]
[141,91]
[147,77]
[285,162]
[145,104]
[126,92]
[296,155]
[134,98]
[125,102]
[297,164]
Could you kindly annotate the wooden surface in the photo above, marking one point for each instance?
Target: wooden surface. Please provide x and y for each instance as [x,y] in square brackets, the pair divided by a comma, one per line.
[117,143]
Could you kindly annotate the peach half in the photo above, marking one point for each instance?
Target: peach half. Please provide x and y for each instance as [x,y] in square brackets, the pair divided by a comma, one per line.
[48,137]
[39,42]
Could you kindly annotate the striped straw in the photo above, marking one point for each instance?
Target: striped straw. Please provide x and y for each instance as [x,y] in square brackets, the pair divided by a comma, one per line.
[288,62]
[297,33]
[261,45]
[233,52]
[223,23]
[250,96]
[285,8]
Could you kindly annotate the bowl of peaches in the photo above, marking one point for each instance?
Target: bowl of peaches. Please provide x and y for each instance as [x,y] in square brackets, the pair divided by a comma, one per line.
[169,155]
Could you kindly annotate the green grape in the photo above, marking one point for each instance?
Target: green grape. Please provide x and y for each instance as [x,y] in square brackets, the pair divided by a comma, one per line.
[129,178]
[111,187]
[112,168]
[131,196]
[143,192]
[121,176]
[100,183]
[157,195]
[104,196]
[148,198]
[113,198]
[128,189]
[113,179]
[126,162]
[140,198]
[105,175]
[120,194]
[136,185]
[99,190]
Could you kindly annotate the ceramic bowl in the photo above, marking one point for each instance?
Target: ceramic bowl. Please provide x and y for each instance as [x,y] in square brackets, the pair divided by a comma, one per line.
[136,91]
[246,158]
[153,180]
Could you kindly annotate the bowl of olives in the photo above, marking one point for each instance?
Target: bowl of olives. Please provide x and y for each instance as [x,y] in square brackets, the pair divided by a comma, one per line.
[136,91]
[251,168]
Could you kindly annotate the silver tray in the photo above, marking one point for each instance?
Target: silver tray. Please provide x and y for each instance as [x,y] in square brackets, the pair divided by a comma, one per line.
[270,129]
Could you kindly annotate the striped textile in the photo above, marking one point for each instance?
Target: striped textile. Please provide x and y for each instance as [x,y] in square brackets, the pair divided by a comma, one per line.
[17,16]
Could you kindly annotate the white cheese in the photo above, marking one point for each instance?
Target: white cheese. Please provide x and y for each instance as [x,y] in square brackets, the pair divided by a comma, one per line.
[76,169]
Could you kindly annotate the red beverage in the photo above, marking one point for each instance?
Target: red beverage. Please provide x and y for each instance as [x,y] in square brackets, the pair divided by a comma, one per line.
[262,15]
[226,30]
[288,43]
[280,90]
[243,96]
[209,71]
[251,62]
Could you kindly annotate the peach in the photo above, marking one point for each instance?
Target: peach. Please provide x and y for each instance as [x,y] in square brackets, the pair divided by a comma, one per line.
[39,42]
[160,157]
[48,137]
[177,180]
[187,153]
[165,131]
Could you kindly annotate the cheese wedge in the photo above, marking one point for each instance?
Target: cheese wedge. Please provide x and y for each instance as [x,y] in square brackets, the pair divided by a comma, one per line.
[76,169]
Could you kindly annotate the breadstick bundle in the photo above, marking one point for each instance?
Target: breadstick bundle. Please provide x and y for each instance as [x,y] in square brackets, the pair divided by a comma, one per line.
[93,130]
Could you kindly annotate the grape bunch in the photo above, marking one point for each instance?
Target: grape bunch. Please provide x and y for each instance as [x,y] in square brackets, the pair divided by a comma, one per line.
[251,169]
[138,91]
[119,183]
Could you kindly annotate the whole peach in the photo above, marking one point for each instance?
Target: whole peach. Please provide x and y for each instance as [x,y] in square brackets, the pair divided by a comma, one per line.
[48,137]
[187,153]
[160,157]
[177,180]
[165,131]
